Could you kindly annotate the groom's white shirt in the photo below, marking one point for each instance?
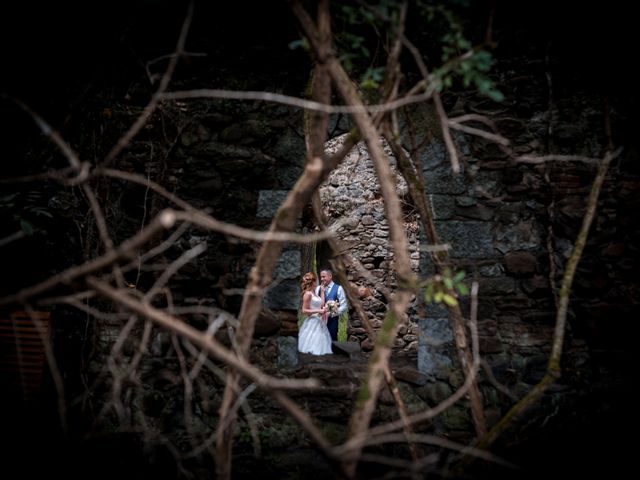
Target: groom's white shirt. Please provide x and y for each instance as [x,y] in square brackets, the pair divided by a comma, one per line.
[342,298]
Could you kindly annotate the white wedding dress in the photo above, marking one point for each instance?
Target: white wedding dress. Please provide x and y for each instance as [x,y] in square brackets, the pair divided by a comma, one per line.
[314,336]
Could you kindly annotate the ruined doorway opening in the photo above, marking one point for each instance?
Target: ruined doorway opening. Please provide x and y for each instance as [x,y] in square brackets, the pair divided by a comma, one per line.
[323,255]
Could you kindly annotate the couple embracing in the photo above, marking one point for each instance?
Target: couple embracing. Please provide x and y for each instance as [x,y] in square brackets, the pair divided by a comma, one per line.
[322,305]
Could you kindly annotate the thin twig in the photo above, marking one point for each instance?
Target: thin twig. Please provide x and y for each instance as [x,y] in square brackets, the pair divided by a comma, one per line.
[299,102]
[198,338]
[142,120]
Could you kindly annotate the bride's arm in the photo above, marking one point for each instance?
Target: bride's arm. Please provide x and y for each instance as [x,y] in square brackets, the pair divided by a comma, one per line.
[323,291]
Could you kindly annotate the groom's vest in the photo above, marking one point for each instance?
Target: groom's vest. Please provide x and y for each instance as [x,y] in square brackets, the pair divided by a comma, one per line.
[332,294]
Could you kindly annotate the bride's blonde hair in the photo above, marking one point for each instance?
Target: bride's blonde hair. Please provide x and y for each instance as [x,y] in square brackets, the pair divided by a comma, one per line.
[309,280]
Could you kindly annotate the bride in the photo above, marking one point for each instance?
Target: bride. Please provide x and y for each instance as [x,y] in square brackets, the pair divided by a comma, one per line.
[314,336]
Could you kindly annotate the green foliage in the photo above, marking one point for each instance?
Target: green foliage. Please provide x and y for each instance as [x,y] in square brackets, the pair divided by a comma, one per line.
[26,226]
[445,288]
[460,61]
[355,42]
[471,71]
[342,327]
[360,31]
[372,78]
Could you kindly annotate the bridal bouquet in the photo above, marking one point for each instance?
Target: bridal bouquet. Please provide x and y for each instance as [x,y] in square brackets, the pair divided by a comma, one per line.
[333,306]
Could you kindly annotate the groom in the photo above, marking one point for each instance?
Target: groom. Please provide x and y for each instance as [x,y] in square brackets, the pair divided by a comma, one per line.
[332,291]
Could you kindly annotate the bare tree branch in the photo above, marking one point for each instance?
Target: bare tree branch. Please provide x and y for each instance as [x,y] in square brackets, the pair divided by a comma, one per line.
[368,395]
[557,158]
[413,176]
[300,102]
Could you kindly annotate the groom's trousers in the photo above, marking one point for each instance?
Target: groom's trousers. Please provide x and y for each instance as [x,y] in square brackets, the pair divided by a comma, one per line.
[332,325]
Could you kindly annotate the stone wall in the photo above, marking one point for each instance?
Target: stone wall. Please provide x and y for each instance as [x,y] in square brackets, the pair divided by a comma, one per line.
[510,227]
[500,220]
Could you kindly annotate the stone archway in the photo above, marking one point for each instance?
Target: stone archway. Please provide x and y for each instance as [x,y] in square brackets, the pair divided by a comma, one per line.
[353,203]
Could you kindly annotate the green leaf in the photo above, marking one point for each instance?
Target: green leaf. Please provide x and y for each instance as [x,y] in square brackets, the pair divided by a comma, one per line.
[377,73]
[438,297]
[483,84]
[26,227]
[430,288]
[368,16]
[495,95]
[462,289]
[448,282]
[450,300]
[300,43]
[369,84]
[458,276]
[428,293]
